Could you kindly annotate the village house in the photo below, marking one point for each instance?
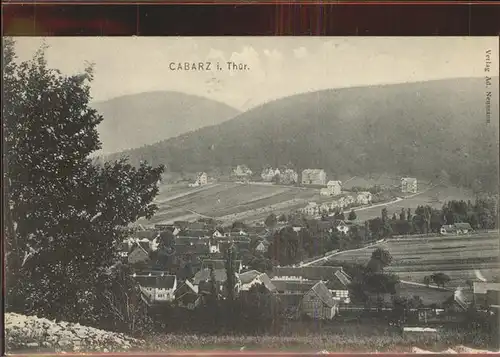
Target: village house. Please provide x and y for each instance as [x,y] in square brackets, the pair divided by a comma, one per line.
[342,227]
[218,233]
[314,177]
[242,172]
[303,297]
[289,177]
[201,180]
[408,185]
[336,280]
[481,289]
[219,264]
[319,303]
[363,198]
[268,174]
[192,249]
[202,281]
[168,227]
[333,188]
[156,287]
[262,246]
[138,256]
[252,277]
[456,228]
[186,296]
[312,209]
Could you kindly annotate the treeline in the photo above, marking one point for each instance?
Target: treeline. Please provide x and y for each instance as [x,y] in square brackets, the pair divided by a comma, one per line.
[482,214]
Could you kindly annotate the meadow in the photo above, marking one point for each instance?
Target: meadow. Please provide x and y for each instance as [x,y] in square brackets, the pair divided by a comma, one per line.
[229,201]
[253,202]
[334,336]
[457,256]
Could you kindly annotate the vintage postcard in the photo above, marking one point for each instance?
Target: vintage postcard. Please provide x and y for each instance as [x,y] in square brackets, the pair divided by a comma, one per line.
[251,194]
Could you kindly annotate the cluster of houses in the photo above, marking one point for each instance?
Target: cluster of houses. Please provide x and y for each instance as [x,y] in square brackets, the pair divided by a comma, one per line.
[342,202]
[285,176]
[313,291]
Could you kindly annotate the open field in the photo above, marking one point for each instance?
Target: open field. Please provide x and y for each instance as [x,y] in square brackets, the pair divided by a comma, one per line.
[456,256]
[332,337]
[230,201]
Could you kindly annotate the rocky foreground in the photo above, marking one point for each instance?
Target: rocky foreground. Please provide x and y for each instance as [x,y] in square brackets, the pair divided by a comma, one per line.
[31,333]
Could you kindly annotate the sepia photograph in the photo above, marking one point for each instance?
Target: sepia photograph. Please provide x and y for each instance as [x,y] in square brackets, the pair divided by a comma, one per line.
[251,194]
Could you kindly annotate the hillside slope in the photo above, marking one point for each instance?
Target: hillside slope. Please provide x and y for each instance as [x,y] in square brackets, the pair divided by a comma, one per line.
[417,129]
[132,121]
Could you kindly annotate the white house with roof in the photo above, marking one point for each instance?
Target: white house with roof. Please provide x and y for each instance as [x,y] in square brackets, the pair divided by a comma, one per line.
[314,177]
[268,174]
[156,287]
[201,180]
[333,188]
[364,198]
[312,209]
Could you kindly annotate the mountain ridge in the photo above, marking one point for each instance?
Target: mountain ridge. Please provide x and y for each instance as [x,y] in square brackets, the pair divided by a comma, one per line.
[134,120]
[419,128]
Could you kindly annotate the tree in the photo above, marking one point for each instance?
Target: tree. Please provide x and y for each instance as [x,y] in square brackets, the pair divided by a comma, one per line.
[271,221]
[408,215]
[352,215]
[386,225]
[122,299]
[65,214]
[427,280]
[238,225]
[440,279]
[230,266]
[282,218]
[379,260]
[402,215]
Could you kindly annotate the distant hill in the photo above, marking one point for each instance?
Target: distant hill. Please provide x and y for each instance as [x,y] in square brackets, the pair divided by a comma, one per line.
[133,121]
[424,129]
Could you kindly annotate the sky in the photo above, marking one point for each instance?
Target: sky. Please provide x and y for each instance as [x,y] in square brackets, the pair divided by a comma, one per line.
[277,66]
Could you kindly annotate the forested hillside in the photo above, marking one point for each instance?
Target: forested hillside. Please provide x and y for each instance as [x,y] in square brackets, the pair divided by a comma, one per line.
[425,129]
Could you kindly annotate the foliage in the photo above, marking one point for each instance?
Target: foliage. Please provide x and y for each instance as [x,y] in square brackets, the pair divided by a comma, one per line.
[271,221]
[121,299]
[352,215]
[440,279]
[65,215]
[380,259]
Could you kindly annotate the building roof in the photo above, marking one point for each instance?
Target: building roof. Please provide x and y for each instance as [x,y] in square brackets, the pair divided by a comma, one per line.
[189,240]
[196,225]
[204,275]
[463,226]
[161,282]
[307,272]
[264,278]
[249,276]
[191,249]
[217,263]
[195,233]
[333,182]
[324,294]
[293,285]
[313,171]
[340,281]
[482,287]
